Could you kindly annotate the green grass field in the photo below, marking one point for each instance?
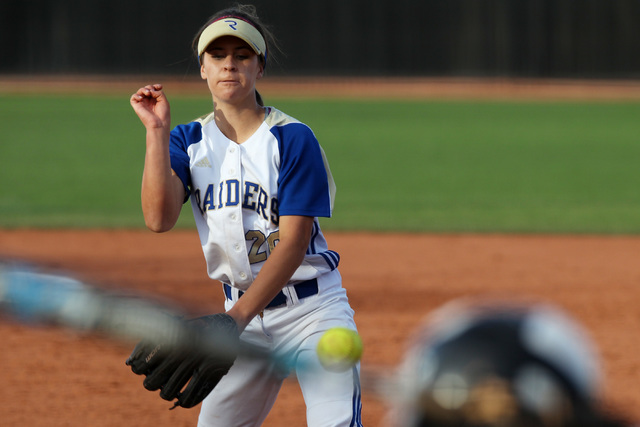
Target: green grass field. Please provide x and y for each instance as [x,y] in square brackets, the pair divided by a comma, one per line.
[427,166]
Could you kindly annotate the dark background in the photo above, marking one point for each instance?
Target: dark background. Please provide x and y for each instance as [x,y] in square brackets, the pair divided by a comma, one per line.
[505,38]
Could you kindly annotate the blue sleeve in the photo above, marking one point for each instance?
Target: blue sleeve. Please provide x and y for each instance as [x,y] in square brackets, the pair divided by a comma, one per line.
[181,137]
[303,186]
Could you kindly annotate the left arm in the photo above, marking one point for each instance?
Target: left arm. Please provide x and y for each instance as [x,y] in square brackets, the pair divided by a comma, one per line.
[295,234]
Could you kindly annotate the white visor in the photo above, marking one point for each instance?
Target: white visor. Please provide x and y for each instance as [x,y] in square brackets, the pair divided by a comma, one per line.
[236,27]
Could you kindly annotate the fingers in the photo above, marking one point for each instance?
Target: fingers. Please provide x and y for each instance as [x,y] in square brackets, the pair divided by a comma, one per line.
[148,92]
[152,107]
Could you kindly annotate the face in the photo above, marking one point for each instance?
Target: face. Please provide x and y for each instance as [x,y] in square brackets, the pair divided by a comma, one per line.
[231,69]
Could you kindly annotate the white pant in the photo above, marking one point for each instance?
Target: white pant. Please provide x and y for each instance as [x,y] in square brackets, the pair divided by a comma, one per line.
[247,393]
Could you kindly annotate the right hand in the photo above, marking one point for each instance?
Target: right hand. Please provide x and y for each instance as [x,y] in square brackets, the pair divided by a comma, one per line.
[151,106]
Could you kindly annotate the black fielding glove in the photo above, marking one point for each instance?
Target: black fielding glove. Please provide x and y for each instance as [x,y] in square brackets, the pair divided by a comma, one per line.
[189,372]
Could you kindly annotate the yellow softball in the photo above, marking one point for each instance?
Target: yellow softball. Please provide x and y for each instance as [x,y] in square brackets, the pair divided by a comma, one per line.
[339,349]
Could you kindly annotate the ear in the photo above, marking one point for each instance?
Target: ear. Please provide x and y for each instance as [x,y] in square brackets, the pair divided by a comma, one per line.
[260,71]
[203,74]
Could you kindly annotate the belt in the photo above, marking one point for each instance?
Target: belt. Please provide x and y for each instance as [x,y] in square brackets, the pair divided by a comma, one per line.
[303,290]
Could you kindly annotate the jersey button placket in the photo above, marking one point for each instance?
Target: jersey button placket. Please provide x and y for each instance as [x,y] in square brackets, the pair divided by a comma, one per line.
[237,244]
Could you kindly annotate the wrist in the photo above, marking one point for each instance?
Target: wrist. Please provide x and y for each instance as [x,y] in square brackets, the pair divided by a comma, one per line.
[242,319]
[158,129]
[158,136]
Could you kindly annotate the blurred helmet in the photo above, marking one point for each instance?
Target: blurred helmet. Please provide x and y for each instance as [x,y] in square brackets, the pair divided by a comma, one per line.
[498,365]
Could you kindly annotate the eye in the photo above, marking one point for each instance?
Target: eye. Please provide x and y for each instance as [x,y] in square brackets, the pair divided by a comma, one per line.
[243,53]
[215,54]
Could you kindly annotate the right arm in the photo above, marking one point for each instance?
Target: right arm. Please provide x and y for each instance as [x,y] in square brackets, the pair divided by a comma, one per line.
[162,193]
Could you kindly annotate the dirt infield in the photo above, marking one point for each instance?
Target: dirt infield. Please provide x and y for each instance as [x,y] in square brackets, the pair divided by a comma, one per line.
[53,377]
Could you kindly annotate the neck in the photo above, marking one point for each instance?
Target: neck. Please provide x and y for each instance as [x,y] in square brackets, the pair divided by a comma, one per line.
[238,123]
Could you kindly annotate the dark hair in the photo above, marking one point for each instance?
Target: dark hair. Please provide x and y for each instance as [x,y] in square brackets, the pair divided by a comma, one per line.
[248,13]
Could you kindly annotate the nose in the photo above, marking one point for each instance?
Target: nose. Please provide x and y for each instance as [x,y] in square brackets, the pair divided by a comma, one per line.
[229,63]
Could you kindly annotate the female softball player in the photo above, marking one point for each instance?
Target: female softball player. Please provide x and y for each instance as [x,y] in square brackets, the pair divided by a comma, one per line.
[258,180]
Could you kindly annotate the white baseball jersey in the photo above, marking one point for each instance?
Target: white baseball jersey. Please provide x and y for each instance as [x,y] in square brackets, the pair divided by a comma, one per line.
[239,191]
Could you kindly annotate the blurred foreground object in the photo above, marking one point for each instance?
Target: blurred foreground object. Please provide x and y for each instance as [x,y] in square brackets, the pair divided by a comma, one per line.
[493,364]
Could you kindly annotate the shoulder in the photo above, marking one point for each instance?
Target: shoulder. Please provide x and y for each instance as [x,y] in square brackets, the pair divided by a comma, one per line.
[275,117]
[188,130]
[190,133]
[285,127]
